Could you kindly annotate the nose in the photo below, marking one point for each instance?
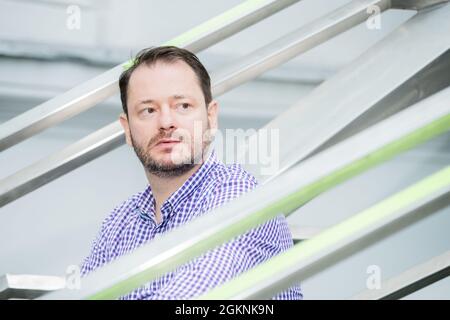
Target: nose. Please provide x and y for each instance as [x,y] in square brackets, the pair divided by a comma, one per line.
[166,119]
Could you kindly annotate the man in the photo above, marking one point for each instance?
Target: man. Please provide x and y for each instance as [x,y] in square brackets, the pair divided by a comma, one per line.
[166,97]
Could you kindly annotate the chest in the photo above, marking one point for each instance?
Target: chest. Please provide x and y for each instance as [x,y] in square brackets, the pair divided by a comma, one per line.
[138,229]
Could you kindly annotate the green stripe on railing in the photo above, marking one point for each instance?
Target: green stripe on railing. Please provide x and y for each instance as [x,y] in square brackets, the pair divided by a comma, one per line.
[213,23]
[285,205]
[327,238]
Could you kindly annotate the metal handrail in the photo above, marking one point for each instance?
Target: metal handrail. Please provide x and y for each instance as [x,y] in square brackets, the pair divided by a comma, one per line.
[307,258]
[105,85]
[253,212]
[111,136]
[28,286]
[411,280]
[360,87]
[396,134]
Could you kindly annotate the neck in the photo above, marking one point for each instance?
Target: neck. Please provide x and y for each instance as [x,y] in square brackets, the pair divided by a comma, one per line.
[164,187]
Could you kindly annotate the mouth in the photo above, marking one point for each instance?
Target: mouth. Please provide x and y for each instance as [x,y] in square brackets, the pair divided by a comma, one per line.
[167,142]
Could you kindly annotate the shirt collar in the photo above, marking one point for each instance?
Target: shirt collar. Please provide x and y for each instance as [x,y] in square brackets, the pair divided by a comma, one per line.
[145,201]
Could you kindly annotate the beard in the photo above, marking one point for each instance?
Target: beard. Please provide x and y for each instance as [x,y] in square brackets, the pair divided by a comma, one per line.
[167,170]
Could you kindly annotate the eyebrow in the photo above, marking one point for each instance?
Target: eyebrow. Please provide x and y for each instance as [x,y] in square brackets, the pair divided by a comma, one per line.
[145,101]
[180,96]
[175,96]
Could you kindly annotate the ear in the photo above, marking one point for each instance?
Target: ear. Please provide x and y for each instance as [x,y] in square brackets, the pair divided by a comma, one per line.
[126,128]
[213,113]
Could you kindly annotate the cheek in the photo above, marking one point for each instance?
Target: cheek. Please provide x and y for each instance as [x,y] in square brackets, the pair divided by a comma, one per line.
[192,124]
[142,135]
[196,131]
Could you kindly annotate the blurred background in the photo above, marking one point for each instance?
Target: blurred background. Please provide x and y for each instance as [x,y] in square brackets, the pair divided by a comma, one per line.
[40,58]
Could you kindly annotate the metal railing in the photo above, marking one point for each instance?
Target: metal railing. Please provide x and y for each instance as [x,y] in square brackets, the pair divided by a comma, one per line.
[112,135]
[345,156]
[411,280]
[308,258]
[25,286]
[105,85]
[410,127]
[396,72]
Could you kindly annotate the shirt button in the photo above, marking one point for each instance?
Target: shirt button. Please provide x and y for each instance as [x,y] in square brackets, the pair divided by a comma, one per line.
[168,209]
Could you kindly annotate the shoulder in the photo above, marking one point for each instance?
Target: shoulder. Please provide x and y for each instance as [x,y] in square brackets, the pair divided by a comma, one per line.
[111,227]
[227,182]
[120,215]
[234,174]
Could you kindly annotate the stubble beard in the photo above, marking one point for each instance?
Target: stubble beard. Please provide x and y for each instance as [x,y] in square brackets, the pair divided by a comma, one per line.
[168,170]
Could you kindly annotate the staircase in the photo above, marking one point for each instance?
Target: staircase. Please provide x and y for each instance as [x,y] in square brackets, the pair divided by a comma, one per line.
[383,103]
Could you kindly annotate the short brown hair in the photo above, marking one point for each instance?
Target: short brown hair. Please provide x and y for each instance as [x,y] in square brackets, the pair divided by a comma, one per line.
[151,55]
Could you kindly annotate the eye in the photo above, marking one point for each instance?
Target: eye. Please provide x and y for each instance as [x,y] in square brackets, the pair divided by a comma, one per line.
[184,106]
[149,110]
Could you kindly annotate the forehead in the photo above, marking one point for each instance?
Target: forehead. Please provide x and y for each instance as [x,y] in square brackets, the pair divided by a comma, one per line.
[163,79]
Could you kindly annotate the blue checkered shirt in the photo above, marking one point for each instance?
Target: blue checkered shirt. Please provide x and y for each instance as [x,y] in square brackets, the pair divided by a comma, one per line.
[133,223]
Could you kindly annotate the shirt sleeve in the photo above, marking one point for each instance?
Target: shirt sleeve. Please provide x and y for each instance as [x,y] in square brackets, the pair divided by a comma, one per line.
[97,255]
[232,258]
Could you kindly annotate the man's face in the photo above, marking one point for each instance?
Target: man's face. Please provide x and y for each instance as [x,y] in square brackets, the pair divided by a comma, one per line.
[167,118]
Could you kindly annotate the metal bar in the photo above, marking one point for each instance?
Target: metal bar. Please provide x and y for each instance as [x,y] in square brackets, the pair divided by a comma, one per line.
[300,233]
[25,286]
[305,259]
[357,88]
[410,281]
[98,89]
[48,169]
[415,4]
[426,82]
[56,165]
[297,42]
[401,132]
